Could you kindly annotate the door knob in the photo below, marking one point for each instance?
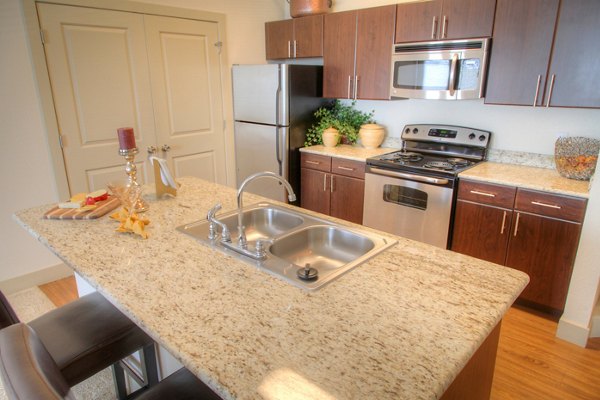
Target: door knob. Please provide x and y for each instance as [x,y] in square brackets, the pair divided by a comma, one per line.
[166,147]
[152,149]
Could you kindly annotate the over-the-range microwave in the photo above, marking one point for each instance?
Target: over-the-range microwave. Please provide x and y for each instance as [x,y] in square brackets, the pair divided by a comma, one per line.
[443,70]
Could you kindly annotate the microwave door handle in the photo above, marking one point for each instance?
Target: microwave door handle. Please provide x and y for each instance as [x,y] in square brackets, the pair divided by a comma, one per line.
[453,71]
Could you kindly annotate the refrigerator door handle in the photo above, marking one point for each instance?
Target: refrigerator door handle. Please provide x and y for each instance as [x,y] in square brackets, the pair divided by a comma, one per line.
[278,148]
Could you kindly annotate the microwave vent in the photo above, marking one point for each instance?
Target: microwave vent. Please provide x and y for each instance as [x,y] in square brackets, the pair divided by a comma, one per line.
[440,46]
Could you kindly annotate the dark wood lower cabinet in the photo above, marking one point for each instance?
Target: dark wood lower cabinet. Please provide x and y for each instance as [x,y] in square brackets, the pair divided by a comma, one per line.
[532,231]
[545,249]
[483,231]
[333,186]
[314,191]
[347,198]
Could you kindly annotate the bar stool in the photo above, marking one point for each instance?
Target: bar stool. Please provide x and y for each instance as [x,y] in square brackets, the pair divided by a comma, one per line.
[29,372]
[87,336]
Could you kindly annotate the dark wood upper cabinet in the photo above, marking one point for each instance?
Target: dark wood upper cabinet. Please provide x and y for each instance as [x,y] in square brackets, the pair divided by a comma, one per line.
[522,44]
[528,68]
[294,38]
[357,50]
[339,45]
[444,19]
[575,64]
[418,21]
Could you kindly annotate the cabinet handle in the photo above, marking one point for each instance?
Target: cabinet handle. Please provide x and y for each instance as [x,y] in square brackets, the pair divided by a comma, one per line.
[550,92]
[295,49]
[345,168]
[434,24]
[331,186]
[537,203]
[517,224]
[312,162]
[537,91]
[445,28]
[483,193]
[289,49]
[503,223]
[324,182]
[355,87]
[349,82]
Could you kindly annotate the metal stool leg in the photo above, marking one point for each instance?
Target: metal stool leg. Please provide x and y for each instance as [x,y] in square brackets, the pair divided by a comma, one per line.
[119,380]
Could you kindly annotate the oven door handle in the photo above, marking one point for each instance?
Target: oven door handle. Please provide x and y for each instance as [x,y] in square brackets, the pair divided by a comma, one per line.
[418,178]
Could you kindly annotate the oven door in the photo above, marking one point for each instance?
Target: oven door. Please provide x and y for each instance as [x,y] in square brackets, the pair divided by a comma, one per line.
[412,206]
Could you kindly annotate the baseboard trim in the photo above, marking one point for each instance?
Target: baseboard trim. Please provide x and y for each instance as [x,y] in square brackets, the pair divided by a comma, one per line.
[36,278]
[572,332]
[595,324]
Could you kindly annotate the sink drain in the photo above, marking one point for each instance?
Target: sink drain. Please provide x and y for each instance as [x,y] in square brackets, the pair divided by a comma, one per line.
[307,273]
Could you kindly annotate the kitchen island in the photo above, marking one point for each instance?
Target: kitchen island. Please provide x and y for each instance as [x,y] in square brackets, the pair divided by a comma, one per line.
[403,325]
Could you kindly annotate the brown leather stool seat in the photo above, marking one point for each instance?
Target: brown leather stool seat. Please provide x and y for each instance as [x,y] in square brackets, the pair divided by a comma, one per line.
[85,336]
[29,372]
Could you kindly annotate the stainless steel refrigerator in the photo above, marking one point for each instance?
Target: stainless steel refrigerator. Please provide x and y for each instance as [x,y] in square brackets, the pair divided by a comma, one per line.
[273,107]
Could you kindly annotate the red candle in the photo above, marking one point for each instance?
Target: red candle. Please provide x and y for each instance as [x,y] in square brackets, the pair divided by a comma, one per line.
[126,138]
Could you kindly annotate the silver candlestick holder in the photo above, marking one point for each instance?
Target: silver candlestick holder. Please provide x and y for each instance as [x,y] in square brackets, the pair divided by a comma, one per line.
[131,170]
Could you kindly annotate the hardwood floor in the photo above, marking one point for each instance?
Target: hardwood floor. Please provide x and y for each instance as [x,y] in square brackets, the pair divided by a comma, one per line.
[62,291]
[532,363]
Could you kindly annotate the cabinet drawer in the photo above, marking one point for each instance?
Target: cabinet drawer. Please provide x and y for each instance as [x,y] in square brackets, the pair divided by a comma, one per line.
[315,161]
[487,193]
[354,169]
[551,205]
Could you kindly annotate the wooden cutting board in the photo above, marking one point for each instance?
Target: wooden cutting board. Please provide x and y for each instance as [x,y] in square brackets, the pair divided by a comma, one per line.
[103,207]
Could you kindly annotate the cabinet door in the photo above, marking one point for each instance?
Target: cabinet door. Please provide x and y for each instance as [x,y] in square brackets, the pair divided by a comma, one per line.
[308,36]
[375,37]
[418,21]
[576,56]
[545,249]
[278,39]
[314,190]
[481,231]
[339,36]
[347,198]
[521,51]
[467,18]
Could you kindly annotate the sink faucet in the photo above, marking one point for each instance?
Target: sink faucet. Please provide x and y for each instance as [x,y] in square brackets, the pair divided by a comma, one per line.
[266,174]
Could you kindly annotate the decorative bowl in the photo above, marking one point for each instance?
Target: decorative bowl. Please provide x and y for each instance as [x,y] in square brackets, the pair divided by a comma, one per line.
[576,157]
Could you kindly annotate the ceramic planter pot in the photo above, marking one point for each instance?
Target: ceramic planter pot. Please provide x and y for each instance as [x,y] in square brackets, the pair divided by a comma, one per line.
[331,137]
[300,8]
[371,135]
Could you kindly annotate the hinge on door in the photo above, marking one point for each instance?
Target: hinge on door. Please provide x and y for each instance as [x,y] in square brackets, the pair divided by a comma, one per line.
[61,141]
[42,37]
[219,46]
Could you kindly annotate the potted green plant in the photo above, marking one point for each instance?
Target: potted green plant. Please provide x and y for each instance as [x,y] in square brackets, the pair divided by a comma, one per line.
[343,117]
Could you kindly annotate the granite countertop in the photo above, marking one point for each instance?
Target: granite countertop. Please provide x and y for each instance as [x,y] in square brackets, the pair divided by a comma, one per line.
[356,153]
[400,326]
[543,179]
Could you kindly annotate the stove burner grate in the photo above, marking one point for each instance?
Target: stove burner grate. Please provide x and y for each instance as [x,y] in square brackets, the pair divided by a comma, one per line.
[407,156]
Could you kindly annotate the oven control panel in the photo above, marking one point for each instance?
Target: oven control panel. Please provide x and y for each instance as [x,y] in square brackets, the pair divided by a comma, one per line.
[458,135]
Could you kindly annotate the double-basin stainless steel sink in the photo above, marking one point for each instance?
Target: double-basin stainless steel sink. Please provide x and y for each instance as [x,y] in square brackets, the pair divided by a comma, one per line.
[293,240]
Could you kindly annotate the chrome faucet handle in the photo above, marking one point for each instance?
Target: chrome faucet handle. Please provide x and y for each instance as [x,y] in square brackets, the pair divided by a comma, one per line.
[242,237]
[212,231]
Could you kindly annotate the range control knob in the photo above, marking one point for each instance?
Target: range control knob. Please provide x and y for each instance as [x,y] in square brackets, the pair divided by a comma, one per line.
[472,136]
[407,130]
[481,138]
[415,130]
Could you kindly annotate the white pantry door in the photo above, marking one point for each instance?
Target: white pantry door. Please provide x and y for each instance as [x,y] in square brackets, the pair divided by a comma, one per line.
[100,81]
[187,95]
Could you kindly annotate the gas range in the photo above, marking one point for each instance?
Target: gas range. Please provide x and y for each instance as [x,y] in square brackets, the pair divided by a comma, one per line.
[439,150]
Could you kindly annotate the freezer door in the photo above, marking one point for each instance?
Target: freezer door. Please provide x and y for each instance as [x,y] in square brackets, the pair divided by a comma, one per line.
[259,94]
[256,150]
